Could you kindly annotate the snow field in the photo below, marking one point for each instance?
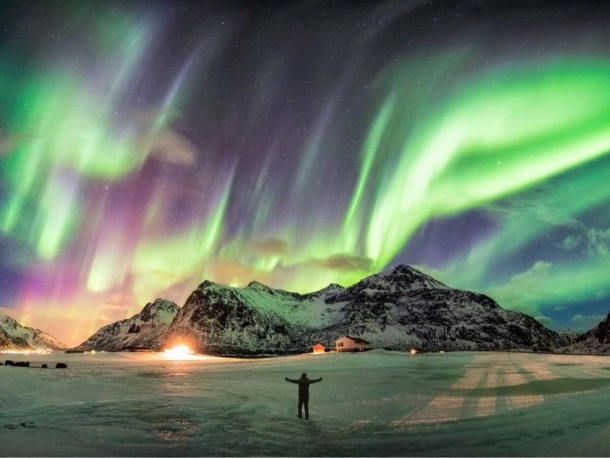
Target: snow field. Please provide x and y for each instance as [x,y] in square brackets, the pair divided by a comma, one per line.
[369,404]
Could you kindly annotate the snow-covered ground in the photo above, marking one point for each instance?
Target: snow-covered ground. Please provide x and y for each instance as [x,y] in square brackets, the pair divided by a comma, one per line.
[374,403]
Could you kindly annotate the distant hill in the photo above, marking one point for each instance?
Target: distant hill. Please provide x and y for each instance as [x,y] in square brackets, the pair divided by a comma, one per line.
[141,330]
[596,340]
[13,336]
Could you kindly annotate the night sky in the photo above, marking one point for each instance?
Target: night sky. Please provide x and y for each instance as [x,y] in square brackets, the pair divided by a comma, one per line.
[147,146]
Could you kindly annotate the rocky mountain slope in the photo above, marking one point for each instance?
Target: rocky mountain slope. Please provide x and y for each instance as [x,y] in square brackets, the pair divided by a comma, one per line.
[13,336]
[256,319]
[141,330]
[397,310]
[596,341]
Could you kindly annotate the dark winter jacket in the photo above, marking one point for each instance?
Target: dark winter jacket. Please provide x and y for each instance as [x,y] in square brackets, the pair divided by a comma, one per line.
[303,383]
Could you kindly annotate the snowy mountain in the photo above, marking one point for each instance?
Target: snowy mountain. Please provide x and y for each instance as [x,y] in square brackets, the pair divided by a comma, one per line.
[408,308]
[220,319]
[13,336]
[141,330]
[396,310]
[596,340]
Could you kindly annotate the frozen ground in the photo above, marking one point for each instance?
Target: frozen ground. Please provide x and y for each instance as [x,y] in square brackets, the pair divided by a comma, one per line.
[375,403]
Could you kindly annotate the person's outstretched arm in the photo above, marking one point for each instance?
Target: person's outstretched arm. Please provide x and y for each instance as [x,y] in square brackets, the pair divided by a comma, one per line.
[291,380]
[316,380]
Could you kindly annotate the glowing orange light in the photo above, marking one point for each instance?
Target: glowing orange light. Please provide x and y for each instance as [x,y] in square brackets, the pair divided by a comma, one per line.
[178,351]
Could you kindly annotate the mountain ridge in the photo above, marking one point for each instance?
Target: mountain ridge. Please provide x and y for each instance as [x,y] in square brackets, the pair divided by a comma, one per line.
[398,309]
[594,341]
[141,330]
[14,336]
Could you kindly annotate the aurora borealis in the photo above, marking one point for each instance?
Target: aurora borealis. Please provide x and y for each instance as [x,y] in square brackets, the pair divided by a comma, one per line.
[146,146]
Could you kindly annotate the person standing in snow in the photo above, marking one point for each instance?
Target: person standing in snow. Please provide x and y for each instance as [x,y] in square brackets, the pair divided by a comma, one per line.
[303,383]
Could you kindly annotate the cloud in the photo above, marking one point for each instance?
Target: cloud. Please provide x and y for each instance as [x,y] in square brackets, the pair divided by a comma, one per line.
[119,299]
[9,142]
[170,147]
[536,210]
[552,287]
[346,262]
[271,246]
[235,273]
[164,144]
[526,291]
[571,242]
[599,242]
[593,241]
[545,321]
[583,323]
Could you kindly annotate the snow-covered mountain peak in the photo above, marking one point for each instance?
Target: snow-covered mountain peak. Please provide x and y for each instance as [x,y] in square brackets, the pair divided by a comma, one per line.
[207,284]
[15,336]
[402,279]
[256,285]
[160,310]
[329,291]
[142,329]
[406,276]
[7,322]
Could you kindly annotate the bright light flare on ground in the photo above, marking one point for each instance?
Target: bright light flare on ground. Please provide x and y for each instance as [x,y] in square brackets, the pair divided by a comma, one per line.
[179,352]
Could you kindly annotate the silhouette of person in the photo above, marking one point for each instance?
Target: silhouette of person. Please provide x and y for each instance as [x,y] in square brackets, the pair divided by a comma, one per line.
[303,383]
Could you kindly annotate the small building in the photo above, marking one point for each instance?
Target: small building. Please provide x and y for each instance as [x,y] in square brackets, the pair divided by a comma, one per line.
[349,343]
[319,348]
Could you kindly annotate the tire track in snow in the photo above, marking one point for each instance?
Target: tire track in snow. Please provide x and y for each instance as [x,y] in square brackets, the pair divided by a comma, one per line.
[486,405]
[477,379]
[524,400]
[487,377]
[443,408]
[440,410]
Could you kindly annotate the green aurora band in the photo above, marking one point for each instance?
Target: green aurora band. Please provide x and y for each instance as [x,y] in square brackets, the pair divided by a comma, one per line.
[461,142]
[503,133]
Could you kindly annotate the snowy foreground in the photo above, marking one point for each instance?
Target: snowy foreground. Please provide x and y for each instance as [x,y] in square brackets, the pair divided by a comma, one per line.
[369,404]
